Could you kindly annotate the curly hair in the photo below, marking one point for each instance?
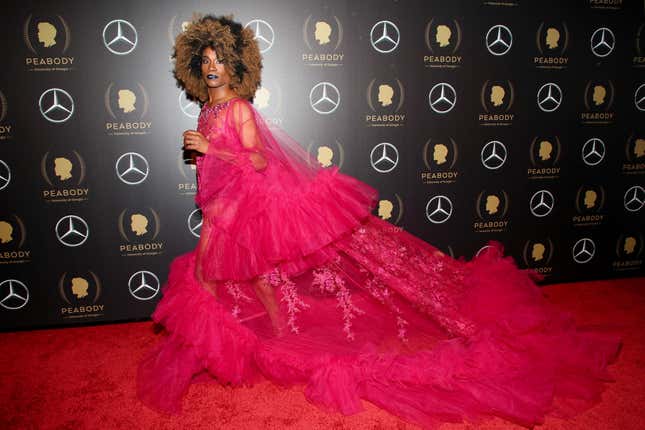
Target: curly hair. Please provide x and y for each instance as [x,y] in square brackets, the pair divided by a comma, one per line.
[233,43]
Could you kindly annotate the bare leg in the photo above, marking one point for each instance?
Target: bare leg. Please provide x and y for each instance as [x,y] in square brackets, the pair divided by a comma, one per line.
[265,293]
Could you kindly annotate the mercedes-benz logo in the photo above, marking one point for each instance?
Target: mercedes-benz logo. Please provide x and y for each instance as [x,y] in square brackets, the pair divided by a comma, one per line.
[583,250]
[602,42]
[120,37]
[499,40]
[143,285]
[549,97]
[13,294]
[188,107]
[132,168]
[72,230]
[385,36]
[263,33]
[593,151]
[541,203]
[438,209]
[384,157]
[442,97]
[195,222]
[56,105]
[493,155]
[634,198]
[5,175]
[639,98]
[483,250]
[324,98]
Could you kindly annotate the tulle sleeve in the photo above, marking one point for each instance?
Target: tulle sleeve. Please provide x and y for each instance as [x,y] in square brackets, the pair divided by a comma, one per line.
[252,156]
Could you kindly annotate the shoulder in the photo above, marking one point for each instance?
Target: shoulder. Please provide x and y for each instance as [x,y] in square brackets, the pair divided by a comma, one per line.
[241,110]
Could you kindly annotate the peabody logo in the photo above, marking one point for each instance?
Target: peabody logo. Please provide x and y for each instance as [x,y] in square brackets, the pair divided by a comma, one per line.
[139,230]
[598,102]
[606,4]
[331,154]
[541,203]
[386,207]
[324,98]
[384,157]
[64,173]
[634,198]
[634,155]
[440,157]
[385,36]
[552,41]
[549,97]
[12,239]
[268,100]
[593,151]
[132,168]
[442,98]
[439,209]
[602,42]
[176,26]
[124,104]
[583,250]
[81,293]
[493,155]
[443,40]
[188,107]
[56,105]
[195,222]
[323,37]
[187,166]
[639,56]
[72,231]
[492,208]
[537,255]
[497,99]
[143,285]
[590,200]
[499,40]
[120,37]
[5,129]
[629,252]
[385,99]
[14,294]
[5,175]
[48,39]
[544,153]
[264,34]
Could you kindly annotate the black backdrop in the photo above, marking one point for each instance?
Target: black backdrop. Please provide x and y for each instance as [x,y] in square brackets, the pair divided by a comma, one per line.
[514,121]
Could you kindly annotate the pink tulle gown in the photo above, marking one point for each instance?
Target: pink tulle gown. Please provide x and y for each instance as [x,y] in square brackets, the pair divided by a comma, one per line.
[350,307]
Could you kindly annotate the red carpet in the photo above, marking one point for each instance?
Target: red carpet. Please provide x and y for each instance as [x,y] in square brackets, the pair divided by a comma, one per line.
[83,377]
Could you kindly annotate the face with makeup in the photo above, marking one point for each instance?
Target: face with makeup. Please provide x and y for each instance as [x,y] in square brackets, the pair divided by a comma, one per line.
[213,70]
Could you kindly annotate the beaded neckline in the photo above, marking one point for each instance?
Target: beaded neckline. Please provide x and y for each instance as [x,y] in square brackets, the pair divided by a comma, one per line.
[215,109]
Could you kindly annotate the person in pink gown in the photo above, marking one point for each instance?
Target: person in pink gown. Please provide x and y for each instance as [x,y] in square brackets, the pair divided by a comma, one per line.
[295,281]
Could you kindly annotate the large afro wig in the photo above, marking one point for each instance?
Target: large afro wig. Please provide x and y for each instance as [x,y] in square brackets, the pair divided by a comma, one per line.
[233,43]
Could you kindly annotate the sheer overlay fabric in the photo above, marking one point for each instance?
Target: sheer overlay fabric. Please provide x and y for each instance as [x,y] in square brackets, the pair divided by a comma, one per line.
[363,309]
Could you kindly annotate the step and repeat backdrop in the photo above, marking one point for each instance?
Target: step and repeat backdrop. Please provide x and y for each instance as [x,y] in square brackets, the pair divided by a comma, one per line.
[515,121]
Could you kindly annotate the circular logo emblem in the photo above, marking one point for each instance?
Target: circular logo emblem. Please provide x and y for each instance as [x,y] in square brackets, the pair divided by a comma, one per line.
[72,230]
[120,37]
[499,40]
[442,98]
[639,98]
[264,34]
[188,107]
[324,98]
[384,157]
[541,203]
[602,42]
[438,209]
[143,285]
[56,105]
[385,36]
[493,155]
[5,175]
[13,294]
[132,168]
[583,250]
[195,222]
[549,97]
[593,151]
[634,198]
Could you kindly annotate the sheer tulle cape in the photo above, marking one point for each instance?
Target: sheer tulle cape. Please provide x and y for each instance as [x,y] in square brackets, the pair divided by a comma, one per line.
[372,312]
